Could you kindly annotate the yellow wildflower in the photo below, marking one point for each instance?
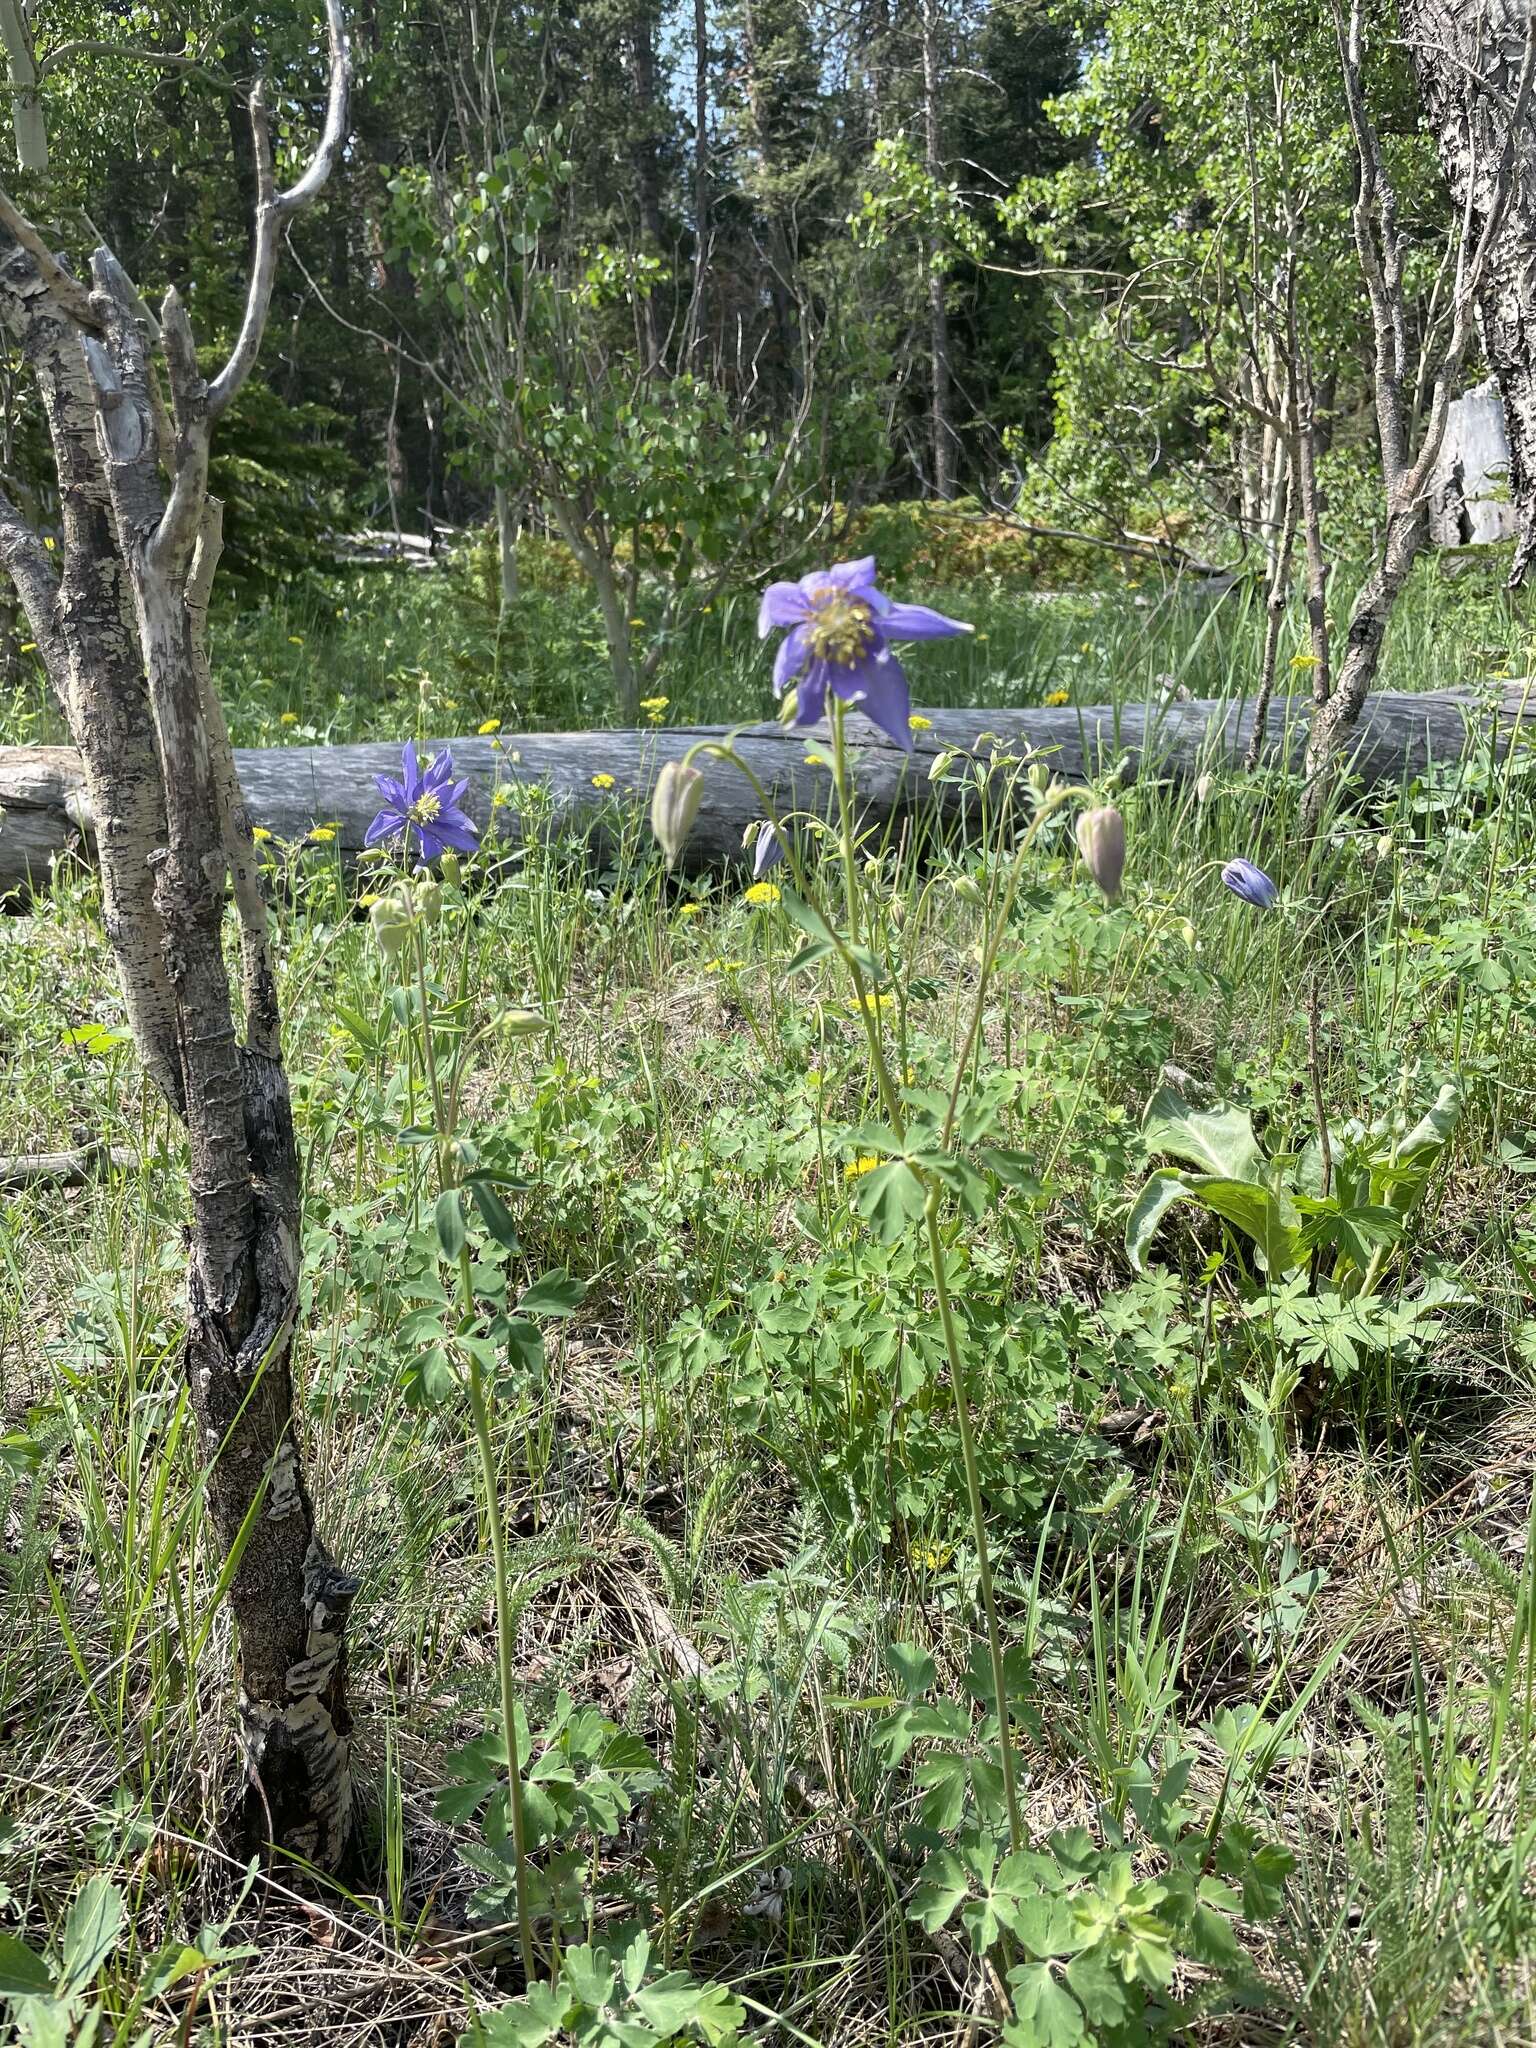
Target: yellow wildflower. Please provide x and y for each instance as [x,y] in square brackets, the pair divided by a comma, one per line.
[724,966]
[762,892]
[368,899]
[637,622]
[322,835]
[602,782]
[1304,661]
[979,636]
[260,834]
[654,703]
[488,726]
[933,1556]
[690,910]
[872,1003]
[288,718]
[295,639]
[29,647]
[1056,698]
[861,1166]
[917,723]
[49,542]
[500,797]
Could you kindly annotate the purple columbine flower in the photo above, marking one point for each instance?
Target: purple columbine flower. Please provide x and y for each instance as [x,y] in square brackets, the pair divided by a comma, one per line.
[423,806]
[839,626]
[1251,883]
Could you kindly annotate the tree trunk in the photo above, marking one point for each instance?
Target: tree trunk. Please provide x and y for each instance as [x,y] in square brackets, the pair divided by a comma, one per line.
[940,383]
[508,525]
[1468,60]
[698,312]
[122,632]
[27,122]
[287,790]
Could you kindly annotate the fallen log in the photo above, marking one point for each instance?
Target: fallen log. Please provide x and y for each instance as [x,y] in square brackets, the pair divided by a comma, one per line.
[595,782]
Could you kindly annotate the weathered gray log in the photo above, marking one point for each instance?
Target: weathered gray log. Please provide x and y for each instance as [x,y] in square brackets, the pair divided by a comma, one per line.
[63,1169]
[292,790]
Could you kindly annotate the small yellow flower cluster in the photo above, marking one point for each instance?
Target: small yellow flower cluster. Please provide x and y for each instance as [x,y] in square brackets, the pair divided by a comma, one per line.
[260,834]
[655,708]
[762,892]
[724,966]
[602,782]
[860,1166]
[917,723]
[1304,661]
[322,835]
[690,910]
[872,1003]
[500,798]
[1056,698]
[933,1556]
[487,726]
[288,718]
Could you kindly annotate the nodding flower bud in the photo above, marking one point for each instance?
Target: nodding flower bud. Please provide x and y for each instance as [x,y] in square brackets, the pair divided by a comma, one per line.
[391,922]
[674,806]
[522,1024]
[448,867]
[1205,788]
[770,849]
[429,901]
[1101,842]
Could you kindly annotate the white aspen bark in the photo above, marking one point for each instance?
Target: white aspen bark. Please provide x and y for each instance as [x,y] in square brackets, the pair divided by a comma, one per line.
[508,525]
[124,633]
[27,123]
[1468,59]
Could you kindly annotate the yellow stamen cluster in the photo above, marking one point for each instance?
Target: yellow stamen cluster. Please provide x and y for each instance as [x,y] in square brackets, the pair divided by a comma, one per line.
[425,808]
[840,628]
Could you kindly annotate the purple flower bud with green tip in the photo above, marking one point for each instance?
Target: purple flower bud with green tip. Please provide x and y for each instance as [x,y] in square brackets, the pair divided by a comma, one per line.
[1251,883]
[1101,842]
[839,626]
[770,851]
[423,807]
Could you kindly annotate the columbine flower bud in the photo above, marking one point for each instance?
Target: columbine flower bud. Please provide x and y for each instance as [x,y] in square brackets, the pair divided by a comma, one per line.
[674,806]
[429,901]
[522,1024]
[449,869]
[1205,788]
[1101,842]
[391,922]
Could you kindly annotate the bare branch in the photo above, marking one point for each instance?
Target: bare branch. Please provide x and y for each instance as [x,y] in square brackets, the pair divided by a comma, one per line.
[32,571]
[274,207]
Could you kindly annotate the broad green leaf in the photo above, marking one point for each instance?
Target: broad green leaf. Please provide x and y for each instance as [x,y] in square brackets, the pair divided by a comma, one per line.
[1263,1215]
[1218,1141]
[449,1218]
[91,1931]
[23,1973]
[528,2022]
[1424,1142]
[553,1294]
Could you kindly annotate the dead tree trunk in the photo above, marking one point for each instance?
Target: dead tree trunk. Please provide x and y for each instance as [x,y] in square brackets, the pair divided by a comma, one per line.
[1468,60]
[122,630]
[1409,449]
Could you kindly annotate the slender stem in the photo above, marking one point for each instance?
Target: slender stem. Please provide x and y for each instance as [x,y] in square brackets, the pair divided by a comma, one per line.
[480,1411]
[479,1408]
[957,1382]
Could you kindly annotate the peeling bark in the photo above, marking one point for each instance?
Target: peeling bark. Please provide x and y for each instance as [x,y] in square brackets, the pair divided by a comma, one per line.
[123,632]
[1468,62]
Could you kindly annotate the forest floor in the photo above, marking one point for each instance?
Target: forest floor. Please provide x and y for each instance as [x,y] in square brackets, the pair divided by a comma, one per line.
[1258,1495]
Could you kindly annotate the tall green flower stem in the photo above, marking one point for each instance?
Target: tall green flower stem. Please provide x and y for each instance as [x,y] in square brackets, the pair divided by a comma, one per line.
[480,1415]
[1049,802]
